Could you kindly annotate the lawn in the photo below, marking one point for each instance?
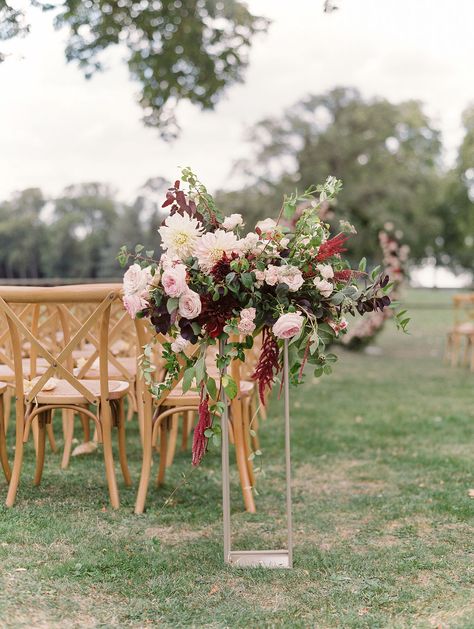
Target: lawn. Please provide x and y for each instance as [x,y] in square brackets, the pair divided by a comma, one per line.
[382,461]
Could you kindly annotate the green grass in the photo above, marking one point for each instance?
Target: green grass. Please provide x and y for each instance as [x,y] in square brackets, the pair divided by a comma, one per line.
[382,459]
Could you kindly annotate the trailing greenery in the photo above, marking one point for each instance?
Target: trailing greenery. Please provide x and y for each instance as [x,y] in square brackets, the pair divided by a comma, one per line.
[382,464]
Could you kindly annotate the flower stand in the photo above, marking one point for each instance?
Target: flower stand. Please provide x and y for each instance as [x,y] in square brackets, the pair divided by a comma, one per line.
[253,558]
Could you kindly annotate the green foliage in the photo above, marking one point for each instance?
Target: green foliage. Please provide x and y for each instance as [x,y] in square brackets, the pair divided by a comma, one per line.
[387,154]
[76,235]
[455,244]
[11,23]
[176,50]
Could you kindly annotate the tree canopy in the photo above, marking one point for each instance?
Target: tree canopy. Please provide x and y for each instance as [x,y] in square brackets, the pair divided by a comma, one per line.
[176,50]
[388,156]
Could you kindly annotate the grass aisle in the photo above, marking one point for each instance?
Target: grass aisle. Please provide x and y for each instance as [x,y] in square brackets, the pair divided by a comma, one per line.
[382,457]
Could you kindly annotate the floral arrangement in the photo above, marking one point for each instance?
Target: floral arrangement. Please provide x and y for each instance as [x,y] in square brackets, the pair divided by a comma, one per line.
[395,258]
[215,282]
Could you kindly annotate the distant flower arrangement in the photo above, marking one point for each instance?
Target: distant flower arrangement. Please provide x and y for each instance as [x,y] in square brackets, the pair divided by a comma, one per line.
[213,282]
[395,258]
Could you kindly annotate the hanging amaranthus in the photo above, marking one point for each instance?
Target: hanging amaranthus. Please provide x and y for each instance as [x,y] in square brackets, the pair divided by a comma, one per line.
[268,363]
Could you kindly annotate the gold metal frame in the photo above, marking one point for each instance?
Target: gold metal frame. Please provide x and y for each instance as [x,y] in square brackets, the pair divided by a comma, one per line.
[253,558]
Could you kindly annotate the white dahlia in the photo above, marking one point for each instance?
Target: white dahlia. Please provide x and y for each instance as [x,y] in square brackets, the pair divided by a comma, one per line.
[179,235]
[211,247]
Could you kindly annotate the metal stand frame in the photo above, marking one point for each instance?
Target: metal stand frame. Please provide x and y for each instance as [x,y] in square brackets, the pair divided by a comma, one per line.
[253,558]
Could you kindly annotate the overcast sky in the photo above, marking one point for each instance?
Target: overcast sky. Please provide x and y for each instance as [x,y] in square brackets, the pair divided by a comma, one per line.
[56,128]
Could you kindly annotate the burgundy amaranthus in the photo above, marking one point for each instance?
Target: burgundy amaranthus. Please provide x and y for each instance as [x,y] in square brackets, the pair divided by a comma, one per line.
[268,363]
[331,247]
[205,422]
[347,274]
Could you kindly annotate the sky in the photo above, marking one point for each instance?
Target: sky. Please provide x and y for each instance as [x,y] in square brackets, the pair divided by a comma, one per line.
[56,128]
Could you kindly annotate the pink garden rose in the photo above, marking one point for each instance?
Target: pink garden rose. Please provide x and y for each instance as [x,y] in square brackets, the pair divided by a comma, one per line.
[326,271]
[233,221]
[266,227]
[136,280]
[288,325]
[189,305]
[173,280]
[179,344]
[324,287]
[246,324]
[291,276]
[135,289]
[272,275]
[134,303]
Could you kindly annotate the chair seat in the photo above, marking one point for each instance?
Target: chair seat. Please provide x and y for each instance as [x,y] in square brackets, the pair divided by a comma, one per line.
[178,398]
[463,328]
[7,374]
[129,364]
[65,393]
[3,387]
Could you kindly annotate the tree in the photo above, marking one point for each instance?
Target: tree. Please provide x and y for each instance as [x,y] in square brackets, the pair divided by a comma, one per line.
[456,212]
[81,224]
[11,23]
[22,234]
[388,156]
[175,49]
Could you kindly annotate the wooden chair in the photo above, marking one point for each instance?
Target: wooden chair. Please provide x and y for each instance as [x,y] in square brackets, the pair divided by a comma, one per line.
[462,332]
[123,368]
[3,445]
[158,416]
[101,400]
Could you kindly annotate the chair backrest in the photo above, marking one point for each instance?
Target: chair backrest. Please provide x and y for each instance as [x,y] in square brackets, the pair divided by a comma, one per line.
[463,304]
[55,309]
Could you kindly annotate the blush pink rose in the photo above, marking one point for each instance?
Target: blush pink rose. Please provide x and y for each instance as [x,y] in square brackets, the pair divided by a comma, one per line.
[136,280]
[189,305]
[248,313]
[179,344]
[246,326]
[288,325]
[173,280]
[134,303]
[272,275]
[324,287]
[292,277]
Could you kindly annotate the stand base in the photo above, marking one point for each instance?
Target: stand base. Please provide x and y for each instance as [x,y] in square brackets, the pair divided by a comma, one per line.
[256,558]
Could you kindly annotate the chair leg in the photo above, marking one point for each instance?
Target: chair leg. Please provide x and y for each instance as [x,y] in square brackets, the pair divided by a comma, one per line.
[68,432]
[160,479]
[3,445]
[254,425]
[187,427]
[246,437]
[86,427]
[173,437]
[41,448]
[18,460]
[51,437]
[456,346]
[145,414]
[105,420]
[7,404]
[122,444]
[241,457]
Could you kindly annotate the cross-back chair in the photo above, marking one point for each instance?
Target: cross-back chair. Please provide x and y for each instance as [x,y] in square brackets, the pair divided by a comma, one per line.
[462,332]
[158,416]
[100,400]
